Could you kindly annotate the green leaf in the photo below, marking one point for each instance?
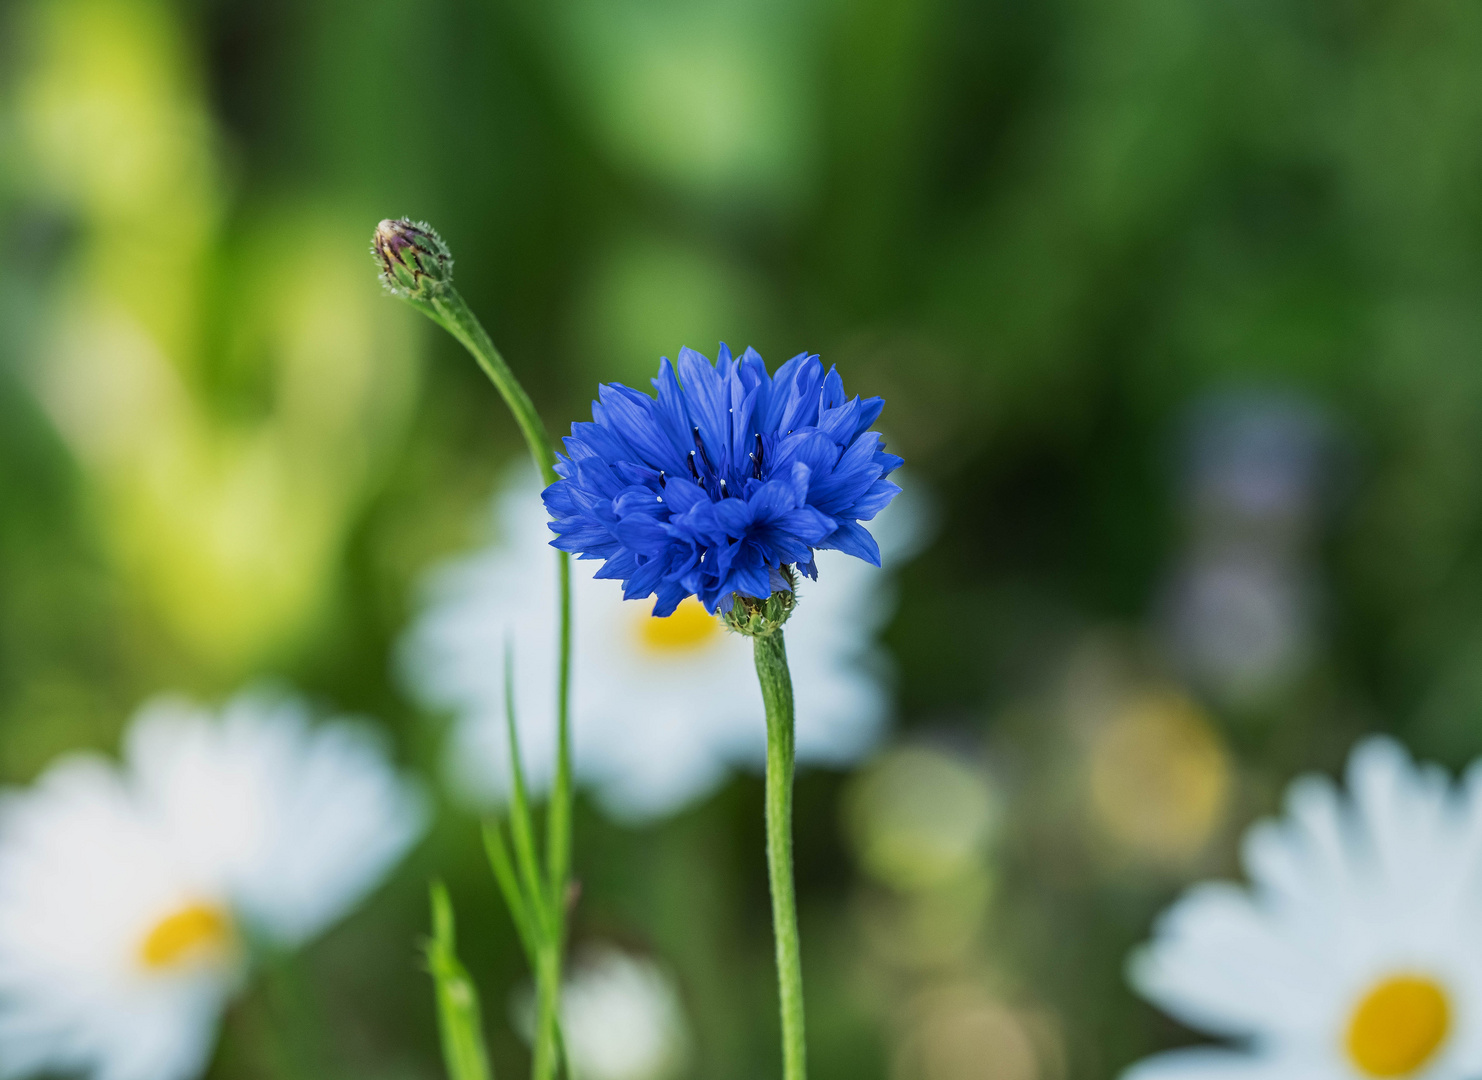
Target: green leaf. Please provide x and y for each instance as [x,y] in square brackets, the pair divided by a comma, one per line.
[521,822]
[458,1013]
[509,885]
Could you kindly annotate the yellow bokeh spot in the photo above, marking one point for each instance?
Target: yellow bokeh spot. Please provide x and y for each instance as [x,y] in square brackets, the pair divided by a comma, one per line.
[196,931]
[1398,1026]
[1159,777]
[689,628]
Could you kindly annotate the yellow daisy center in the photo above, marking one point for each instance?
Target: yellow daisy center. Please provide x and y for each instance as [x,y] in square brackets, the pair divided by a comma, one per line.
[1398,1026]
[688,629]
[194,931]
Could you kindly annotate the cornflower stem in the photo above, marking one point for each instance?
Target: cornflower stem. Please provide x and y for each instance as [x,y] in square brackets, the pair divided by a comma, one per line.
[448,309]
[770,652]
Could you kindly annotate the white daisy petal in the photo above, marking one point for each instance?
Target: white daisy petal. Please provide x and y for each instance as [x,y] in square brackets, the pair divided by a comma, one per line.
[297,821]
[1307,869]
[1413,823]
[83,877]
[1211,1063]
[1356,954]
[1316,829]
[129,898]
[1468,813]
[1220,964]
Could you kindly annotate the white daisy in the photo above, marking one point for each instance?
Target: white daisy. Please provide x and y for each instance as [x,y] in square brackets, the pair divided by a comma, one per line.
[1357,952]
[129,897]
[662,709]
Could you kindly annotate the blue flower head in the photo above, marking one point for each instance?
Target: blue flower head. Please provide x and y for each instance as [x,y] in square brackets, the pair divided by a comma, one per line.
[727,478]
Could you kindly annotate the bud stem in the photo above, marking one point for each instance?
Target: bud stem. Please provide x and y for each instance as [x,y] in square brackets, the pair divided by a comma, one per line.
[450,311]
[434,295]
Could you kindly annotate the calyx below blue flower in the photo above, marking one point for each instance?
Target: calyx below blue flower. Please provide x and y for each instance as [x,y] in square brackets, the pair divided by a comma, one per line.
[725,478]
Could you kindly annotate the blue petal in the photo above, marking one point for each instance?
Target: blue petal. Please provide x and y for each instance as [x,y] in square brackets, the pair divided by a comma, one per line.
[626,496]
[742,443]
[669,597]
[811,447]
[801,406]
[682,495]
[630,414]
[706,396]
[852,538]
[671,412]
[769,415]
[833,390]
[874,500]
[755,582]
[869,412]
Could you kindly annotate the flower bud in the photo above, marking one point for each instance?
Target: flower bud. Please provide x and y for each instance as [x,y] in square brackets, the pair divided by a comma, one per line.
[415,263]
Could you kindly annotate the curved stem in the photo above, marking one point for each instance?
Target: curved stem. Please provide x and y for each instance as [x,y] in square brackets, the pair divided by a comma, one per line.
[450,311]
[770,653]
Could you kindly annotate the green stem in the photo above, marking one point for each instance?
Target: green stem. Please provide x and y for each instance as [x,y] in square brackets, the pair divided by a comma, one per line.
[771,668]
[450,311]
[548,1003]
[558,821]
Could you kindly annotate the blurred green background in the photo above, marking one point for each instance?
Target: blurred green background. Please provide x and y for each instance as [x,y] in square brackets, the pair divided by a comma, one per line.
[1175,305]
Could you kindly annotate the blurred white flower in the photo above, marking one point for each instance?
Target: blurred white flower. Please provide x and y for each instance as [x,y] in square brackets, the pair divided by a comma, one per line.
[130,897]
[661,708]
[1357,952]
[621,1018]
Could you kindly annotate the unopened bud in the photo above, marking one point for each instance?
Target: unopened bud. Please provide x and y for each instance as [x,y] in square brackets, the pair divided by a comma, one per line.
[415,263]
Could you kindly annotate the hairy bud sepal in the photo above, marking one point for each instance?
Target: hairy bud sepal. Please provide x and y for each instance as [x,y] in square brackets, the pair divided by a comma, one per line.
[763,618]
[415,263]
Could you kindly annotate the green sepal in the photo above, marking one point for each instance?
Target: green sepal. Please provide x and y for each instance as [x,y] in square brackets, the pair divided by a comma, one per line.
[762,618]
[415,263]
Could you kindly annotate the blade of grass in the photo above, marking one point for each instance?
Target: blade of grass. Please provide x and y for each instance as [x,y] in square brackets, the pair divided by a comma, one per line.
[509,886]
[558,813]
[458,1016]
[546,915]
[521,822]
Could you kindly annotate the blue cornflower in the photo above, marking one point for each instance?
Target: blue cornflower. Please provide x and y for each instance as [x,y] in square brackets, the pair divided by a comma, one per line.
[723,481]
